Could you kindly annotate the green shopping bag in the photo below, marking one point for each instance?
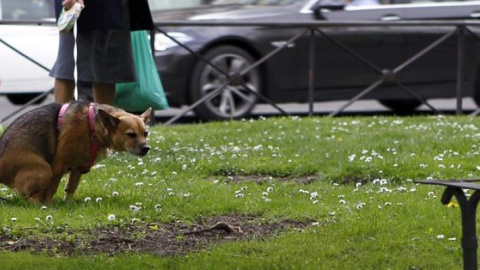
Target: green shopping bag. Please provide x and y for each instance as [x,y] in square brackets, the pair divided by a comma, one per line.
[147,91]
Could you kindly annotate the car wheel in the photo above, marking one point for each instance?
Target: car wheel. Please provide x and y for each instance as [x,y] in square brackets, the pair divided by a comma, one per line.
[235,101]
[405,106]
[21,99]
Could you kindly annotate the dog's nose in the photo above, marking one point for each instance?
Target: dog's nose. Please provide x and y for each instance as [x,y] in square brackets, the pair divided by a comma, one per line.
[145,150]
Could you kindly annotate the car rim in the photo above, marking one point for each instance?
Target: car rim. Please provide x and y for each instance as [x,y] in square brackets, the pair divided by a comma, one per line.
[233,101]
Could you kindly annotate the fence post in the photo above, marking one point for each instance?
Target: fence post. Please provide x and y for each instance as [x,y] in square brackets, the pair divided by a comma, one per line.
[461,42]
[311,73]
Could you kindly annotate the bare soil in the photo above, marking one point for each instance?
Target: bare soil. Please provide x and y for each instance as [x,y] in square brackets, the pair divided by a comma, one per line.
[161,239]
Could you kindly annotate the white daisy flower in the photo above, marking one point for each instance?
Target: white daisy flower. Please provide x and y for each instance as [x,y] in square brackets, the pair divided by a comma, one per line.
[134,208]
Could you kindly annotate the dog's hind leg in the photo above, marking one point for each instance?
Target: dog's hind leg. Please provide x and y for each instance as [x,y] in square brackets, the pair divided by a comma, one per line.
[72,184]
[34,182]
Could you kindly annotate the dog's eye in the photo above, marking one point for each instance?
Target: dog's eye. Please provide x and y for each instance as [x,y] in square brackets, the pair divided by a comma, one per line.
[132,135]
[145,134]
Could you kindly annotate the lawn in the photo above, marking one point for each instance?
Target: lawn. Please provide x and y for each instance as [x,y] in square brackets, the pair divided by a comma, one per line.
[285,193]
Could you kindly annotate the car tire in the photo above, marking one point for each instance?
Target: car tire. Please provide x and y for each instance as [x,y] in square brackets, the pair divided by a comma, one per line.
[21,99]
[404,106]
[235,101]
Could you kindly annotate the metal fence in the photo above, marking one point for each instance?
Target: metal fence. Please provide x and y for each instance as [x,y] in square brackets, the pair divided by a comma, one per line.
[459,30]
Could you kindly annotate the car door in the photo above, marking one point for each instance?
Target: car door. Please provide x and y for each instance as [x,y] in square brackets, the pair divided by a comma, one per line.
[386,47]
[438,67]
[338,73]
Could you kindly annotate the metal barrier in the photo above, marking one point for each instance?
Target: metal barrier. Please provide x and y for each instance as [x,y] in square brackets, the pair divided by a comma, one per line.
[459,29]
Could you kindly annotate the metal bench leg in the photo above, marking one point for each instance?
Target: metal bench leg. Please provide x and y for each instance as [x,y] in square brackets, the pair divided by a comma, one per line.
[469,237]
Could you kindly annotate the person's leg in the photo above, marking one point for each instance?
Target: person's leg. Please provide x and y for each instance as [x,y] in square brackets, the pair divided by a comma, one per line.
[63,69]
[64,90]
[104,93]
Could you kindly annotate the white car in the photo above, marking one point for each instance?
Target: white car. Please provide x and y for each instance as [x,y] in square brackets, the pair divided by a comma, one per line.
[22,79]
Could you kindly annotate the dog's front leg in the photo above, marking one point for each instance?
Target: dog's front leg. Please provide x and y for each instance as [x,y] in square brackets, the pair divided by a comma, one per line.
[72,184]
[52,189]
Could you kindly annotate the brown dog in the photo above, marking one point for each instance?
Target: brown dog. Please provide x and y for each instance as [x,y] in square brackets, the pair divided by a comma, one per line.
[42,145]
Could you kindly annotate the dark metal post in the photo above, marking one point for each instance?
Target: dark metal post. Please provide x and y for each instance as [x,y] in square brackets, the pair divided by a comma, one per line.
[461,42]
[469,210]
[469,231]
[311,74]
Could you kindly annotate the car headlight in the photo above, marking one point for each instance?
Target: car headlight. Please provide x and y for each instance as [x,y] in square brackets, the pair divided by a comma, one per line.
[162,42]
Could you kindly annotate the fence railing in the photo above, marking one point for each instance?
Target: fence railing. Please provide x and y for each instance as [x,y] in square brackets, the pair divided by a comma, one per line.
[459,30]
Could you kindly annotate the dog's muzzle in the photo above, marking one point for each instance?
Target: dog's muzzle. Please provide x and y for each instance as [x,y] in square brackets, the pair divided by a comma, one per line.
[144,150]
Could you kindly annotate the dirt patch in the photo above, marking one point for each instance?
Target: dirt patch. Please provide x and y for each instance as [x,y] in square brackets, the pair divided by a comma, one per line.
[156,238]
[260,179]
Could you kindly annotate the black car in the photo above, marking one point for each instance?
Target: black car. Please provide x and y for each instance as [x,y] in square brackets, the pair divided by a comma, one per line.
[338,75]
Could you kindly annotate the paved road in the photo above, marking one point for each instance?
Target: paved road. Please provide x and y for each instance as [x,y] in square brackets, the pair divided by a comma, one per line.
[362,107]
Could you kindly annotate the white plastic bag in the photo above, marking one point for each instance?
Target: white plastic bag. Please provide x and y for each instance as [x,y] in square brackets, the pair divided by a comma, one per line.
[68,18]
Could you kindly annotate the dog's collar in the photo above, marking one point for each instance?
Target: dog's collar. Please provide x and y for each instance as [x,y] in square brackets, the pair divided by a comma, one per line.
[94,143]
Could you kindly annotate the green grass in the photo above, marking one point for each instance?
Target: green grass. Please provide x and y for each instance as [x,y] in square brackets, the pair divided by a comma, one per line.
[369,214]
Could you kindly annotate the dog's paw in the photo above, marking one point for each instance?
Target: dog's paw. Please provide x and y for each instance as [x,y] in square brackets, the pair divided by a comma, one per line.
[68,198]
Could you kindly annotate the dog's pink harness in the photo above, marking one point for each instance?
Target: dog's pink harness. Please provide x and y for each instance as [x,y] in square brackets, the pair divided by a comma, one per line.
[94,143]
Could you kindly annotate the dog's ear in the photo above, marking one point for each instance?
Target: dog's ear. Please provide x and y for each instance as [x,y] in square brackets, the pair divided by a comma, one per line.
[146,115]
[108,121]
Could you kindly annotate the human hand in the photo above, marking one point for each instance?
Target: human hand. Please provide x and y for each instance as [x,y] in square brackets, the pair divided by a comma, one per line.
[68,4]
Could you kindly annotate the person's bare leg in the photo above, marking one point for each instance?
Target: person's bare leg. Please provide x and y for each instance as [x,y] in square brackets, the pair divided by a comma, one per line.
[64,90]
[104,93]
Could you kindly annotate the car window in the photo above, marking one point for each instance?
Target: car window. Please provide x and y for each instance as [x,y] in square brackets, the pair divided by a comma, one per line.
[394,2]
[341,10]
[175,4]
[383,2]
[255,2]
[422,1]
[26,9]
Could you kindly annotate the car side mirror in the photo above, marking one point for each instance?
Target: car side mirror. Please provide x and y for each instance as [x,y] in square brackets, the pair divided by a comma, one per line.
[327,6]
